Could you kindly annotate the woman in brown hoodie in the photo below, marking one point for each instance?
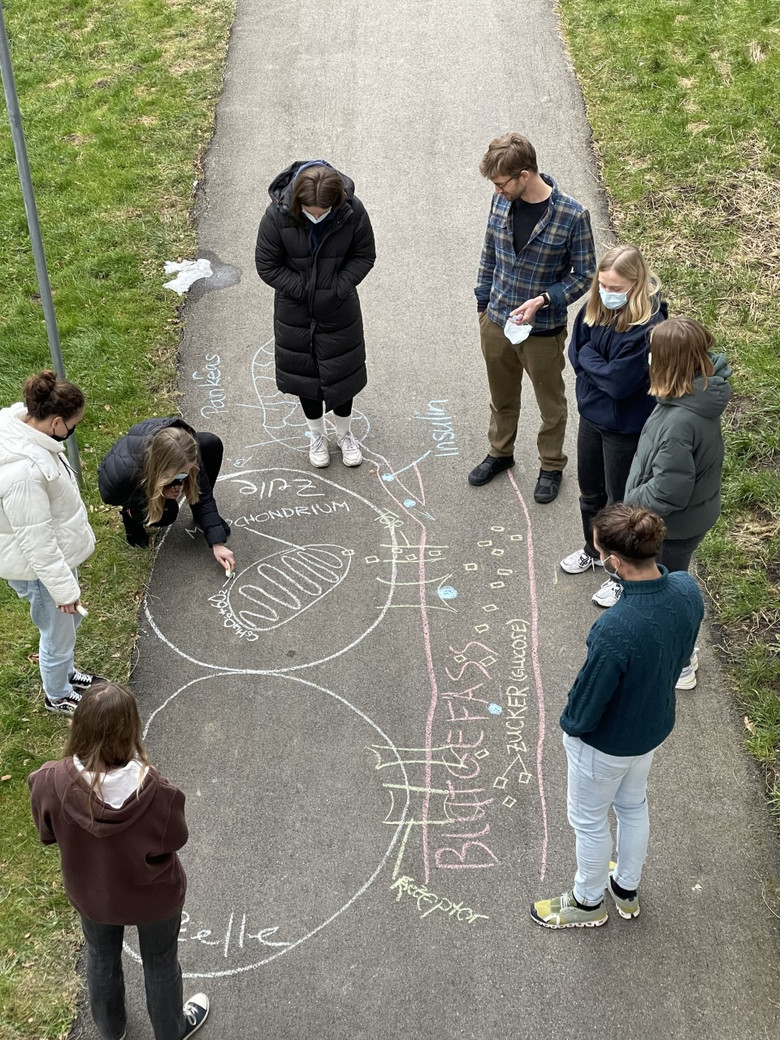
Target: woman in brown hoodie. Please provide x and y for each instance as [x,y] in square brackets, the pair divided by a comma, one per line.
[119,825]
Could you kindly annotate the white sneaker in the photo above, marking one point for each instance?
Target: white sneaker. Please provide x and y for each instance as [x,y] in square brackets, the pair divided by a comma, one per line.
[319,451]
[609,593]
[579,561]
[351,454]
[687,680]
[695,659]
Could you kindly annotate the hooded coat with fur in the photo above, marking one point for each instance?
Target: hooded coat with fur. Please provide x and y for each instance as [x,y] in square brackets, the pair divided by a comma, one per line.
[318,326]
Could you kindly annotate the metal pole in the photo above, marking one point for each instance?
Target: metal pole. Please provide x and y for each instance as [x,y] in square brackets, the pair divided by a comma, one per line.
[17,135]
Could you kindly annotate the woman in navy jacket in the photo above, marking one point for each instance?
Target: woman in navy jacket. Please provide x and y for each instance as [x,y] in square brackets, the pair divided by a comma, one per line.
[608,352]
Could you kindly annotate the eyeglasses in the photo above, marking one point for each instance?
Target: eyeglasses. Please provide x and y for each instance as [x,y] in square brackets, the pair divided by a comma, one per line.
[500,187]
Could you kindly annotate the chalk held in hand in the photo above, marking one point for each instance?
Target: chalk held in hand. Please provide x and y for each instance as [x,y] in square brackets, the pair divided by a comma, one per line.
[82,610]
[228,571]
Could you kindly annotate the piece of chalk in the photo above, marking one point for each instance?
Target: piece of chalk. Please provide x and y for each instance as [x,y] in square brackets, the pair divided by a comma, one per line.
[228,572]
[82,610]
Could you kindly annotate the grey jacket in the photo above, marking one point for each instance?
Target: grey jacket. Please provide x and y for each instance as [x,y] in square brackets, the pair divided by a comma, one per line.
[678,464]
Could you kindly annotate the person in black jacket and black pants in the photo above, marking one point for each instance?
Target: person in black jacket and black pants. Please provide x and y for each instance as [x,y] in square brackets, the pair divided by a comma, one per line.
[156,463]
[314,247]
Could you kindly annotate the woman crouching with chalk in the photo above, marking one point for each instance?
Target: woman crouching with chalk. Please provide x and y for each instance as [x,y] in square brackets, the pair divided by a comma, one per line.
[149,469]
[119,825]
[44,531]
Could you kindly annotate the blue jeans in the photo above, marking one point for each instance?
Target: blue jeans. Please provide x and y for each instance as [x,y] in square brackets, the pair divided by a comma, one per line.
[58,638]
[603,464]
[596,783]
[159,947]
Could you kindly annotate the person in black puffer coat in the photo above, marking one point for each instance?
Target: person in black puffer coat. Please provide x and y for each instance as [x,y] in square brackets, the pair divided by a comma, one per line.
[314,246]
[151,467]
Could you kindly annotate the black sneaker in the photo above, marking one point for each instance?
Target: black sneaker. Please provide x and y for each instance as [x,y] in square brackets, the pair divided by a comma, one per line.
[485,471]
[195,1013]
[64,706]
[547,486]
[83,680]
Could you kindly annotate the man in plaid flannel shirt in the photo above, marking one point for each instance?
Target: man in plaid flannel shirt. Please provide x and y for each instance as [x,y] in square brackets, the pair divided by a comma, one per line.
[538,258]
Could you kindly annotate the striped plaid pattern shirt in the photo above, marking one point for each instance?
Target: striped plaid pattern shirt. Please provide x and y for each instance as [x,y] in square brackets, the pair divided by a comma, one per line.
[559,258]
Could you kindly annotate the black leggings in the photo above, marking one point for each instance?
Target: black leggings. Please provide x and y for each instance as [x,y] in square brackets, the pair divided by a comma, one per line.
[313,409]
[211,451]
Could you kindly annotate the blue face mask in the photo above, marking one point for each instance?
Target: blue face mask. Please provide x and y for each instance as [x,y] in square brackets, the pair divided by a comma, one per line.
[613,301]
[316,220]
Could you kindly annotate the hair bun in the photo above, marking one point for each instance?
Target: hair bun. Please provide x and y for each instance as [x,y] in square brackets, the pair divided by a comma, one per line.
[40,387]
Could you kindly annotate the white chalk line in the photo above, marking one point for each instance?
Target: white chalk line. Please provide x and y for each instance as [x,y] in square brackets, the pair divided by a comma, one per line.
[297,667]
[350,902]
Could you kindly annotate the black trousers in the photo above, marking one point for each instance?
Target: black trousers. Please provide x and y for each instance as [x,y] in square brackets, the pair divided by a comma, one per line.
[603,464]
[159,948]
[313,409]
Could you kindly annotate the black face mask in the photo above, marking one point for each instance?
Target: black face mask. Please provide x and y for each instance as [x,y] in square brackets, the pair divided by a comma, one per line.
[56,437]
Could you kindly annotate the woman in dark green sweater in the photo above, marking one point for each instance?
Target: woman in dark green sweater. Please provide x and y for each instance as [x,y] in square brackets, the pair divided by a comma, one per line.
[620,708]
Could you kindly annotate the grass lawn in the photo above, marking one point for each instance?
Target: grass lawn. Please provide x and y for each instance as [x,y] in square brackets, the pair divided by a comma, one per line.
[683,98]
[117,102]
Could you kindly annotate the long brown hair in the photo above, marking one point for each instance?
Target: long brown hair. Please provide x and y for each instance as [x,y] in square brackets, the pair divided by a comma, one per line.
[105,731]
[46,395]
[627,262]
[172,450]
[320,186]
[679,352]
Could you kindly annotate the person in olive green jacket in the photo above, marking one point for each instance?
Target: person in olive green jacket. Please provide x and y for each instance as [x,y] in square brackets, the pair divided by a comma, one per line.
[678,465]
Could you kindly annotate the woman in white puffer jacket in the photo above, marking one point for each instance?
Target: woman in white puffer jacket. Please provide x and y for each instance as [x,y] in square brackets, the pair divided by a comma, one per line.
[44,531]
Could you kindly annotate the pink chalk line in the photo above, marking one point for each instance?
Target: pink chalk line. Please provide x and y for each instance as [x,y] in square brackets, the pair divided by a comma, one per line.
[529,541]
[426,634]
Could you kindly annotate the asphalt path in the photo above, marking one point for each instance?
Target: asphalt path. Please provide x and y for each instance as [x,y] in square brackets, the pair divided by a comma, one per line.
[365,717]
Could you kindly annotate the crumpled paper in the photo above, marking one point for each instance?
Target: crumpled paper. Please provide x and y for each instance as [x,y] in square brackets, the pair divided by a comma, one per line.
[189,271]
[516,333]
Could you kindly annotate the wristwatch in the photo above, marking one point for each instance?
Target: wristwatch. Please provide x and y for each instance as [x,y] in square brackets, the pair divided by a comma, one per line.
[546,297]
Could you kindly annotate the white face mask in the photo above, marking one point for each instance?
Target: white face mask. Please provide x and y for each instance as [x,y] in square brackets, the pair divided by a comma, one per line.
[316,220]
[613,301]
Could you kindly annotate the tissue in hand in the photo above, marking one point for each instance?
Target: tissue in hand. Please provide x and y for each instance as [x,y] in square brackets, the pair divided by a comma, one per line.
[516,333]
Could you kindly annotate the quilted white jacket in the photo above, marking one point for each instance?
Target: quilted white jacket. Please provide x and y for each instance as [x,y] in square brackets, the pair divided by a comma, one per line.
[44,531]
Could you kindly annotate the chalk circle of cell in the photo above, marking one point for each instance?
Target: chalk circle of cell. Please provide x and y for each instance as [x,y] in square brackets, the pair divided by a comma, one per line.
[302,592]
[280,775]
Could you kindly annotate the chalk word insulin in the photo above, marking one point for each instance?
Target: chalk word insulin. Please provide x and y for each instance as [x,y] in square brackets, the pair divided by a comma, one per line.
[211,380]
[428,902]
[237,934]
[441,428]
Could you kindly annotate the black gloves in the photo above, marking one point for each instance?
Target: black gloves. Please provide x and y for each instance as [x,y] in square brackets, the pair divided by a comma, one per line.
[135,532]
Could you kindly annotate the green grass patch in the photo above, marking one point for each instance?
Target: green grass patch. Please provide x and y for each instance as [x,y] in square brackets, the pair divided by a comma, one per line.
[682,97]
[117,102]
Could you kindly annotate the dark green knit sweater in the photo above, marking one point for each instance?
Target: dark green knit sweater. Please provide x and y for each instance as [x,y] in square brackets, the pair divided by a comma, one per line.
[623,700]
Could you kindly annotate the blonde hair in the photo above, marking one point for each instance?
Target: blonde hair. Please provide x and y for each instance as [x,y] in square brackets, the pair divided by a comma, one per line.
[644,301]
[680,351]
[170,451]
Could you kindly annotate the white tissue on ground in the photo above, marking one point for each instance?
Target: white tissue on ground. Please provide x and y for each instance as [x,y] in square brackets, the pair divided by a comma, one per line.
[189,271]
